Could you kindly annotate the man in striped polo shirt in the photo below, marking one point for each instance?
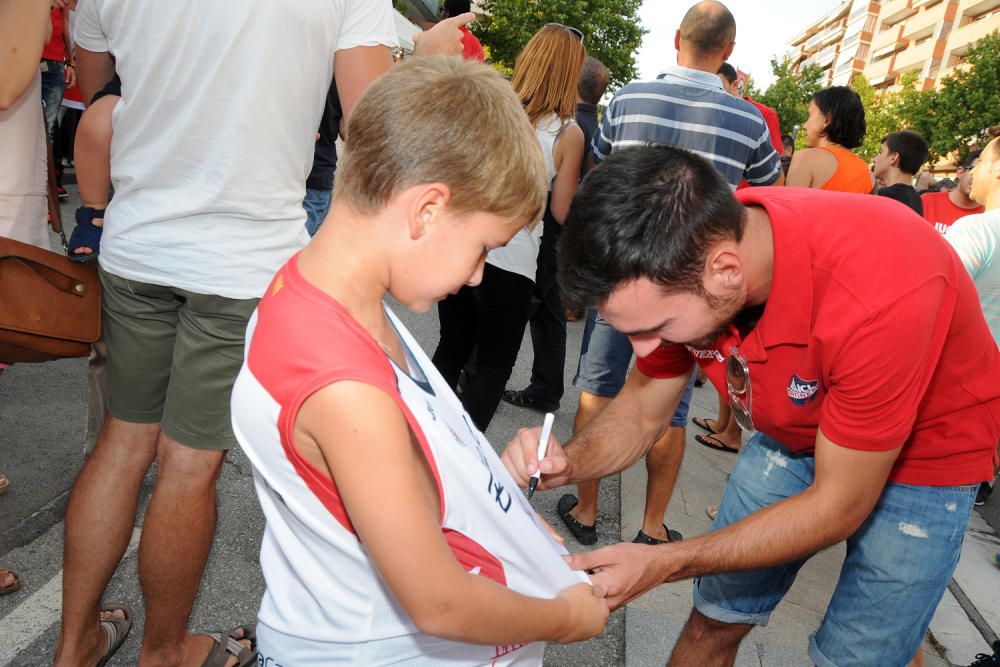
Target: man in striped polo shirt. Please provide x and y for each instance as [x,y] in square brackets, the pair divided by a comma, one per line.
[687,107]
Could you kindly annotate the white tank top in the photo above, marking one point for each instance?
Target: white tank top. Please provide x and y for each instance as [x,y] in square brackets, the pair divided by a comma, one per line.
[23,170]
[520,255]
[325,602]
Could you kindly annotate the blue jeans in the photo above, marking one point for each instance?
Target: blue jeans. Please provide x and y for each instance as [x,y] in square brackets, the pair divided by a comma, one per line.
[898,563]
[53,86]
[316,204]
[605,356]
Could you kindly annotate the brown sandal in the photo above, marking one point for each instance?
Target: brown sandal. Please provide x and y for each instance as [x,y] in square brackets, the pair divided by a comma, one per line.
[227,645]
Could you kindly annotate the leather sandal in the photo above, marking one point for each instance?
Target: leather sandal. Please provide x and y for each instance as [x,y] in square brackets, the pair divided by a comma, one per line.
[583,533]
[227,645]
[117,630]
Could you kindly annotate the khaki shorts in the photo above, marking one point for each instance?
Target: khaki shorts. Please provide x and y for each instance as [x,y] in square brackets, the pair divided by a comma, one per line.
[173,356]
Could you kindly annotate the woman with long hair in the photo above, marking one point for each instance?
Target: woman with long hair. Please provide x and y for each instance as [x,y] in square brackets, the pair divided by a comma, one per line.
[488,320]
[835,125]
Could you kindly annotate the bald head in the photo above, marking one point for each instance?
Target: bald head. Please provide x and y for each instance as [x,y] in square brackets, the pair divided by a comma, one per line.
[708,28]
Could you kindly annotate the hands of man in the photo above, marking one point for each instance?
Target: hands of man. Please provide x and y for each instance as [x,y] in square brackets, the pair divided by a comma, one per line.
[521,459]
[444,39]
[625,570]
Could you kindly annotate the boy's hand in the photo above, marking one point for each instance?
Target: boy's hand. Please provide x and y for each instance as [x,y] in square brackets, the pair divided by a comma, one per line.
[588,612]
[521,459]
[444,39]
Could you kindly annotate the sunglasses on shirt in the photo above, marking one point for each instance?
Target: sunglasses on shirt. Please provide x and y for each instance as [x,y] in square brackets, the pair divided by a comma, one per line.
[740,395]
[576,31]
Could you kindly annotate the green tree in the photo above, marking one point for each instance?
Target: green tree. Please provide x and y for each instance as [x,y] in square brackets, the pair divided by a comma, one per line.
[611,30]
[968,102]
[790,93]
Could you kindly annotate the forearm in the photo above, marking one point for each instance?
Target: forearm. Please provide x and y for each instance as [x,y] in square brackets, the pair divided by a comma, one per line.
[780,533]
[477,610]
[23,28]
[625,429]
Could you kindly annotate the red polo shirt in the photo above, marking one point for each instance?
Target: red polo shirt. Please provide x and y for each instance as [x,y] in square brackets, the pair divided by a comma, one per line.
[940,212]
[873,332]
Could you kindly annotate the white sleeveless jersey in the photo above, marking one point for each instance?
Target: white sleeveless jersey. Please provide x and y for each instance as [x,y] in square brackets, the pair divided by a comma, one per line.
[325,603]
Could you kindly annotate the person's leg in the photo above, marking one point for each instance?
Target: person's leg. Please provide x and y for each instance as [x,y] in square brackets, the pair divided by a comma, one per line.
[99,522]
[728,605]
[663,464]
[176,539]
[53,86]
[196,432]
[316,204]
[504,298]
[705,641]
[548,326]
[457,319]
[898,565]
[139,325]
[92,153]
[586,492]
[605,355]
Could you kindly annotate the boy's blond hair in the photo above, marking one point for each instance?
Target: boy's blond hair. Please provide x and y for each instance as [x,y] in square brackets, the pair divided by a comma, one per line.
[443,120]
[547,71]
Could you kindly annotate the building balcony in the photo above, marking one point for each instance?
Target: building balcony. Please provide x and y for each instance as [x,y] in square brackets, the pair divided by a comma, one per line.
[895,11]
[878,69]
[970,8]
[885,38]
[922,24]
[914,56]
[962,38]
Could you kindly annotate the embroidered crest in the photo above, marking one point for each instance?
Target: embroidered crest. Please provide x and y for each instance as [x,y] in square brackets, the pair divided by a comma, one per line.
[802,391]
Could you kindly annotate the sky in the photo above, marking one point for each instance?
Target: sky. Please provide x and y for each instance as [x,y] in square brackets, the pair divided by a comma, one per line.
[763,29]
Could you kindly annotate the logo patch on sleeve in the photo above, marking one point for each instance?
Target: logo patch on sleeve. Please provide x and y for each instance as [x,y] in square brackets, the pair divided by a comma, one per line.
[802,391]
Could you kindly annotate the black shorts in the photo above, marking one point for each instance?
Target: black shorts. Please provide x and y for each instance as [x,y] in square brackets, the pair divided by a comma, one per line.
[113,87]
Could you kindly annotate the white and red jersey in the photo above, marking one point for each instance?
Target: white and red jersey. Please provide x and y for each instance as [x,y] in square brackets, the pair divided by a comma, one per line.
[325,601]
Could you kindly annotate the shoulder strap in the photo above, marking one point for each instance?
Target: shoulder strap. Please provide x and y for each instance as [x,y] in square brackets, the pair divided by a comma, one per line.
[55,214]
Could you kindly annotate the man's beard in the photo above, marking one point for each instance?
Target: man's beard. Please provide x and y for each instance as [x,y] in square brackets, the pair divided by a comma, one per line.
[726,310]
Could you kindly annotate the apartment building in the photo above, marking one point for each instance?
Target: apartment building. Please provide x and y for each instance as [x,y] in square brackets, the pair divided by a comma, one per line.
[884,39]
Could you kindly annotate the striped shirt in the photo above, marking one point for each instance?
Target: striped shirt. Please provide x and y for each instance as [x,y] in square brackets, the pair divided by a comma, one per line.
[689,109]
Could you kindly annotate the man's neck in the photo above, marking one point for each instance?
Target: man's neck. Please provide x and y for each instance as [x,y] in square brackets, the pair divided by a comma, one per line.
[703,63]
[896,177]
[962,200]
[993,200]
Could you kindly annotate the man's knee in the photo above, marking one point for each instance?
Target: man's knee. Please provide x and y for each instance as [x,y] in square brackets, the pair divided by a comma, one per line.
[701,627]
[179,464]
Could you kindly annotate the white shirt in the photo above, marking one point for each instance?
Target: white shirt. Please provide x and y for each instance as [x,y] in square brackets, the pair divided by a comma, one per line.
[326,603]
[215,131]
[520,255]
[976,239]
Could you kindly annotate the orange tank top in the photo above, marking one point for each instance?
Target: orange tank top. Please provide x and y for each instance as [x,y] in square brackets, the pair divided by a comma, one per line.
[852,173]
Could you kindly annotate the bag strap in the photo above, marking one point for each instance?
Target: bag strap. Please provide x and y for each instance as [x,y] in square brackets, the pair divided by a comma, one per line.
[55,214]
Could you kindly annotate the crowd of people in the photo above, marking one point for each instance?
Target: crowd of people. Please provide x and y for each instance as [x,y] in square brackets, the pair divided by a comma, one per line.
[854,340]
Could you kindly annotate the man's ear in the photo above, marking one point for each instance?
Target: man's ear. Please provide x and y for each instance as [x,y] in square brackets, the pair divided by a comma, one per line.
[724,269]
[429,202]
[677,40]
[729,51]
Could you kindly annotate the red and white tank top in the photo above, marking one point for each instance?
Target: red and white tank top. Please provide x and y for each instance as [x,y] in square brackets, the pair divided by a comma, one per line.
[325,602]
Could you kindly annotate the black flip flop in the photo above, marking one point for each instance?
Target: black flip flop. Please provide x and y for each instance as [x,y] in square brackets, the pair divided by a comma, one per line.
[583,533]
[714,443]
[672,535]
[117,630]
[702,423]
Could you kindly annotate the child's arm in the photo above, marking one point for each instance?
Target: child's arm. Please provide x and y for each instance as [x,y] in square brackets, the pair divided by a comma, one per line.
[367,445]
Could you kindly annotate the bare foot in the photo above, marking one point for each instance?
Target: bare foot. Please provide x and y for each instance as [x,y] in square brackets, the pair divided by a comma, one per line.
[7,579]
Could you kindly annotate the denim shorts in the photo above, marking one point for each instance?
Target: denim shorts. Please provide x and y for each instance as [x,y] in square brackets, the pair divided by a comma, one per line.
[898,562]
[605,357]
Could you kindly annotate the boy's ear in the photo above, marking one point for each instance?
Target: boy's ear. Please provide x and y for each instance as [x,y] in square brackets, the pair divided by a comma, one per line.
[429,204]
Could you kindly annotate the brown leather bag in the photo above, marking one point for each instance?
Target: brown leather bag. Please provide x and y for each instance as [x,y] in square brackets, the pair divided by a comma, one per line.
[50,307]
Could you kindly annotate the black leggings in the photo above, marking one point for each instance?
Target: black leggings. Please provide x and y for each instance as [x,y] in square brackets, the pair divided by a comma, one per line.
[488,319]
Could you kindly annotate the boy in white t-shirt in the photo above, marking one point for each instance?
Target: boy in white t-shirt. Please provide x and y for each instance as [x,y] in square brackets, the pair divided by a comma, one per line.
[394,533]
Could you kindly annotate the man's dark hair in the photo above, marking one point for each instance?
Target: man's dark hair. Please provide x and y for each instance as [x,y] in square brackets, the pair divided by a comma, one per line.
[709,27]
[912,149]
[645,211]
[728,71]
[593,80]
[787,141]
[971,157]
[456,7]
[846,113]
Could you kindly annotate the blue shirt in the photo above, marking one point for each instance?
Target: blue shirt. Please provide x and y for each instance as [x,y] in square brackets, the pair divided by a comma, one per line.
[689,109]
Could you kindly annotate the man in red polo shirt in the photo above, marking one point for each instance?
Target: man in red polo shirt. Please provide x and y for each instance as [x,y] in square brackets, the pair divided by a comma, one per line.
[849,338]
[941,209]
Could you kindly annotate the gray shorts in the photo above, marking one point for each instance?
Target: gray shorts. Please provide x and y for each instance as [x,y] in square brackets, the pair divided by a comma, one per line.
[173,356]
